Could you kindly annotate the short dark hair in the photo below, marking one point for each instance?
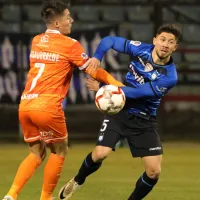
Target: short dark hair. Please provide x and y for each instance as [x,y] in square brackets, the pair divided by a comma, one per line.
[170,28]
[52,8]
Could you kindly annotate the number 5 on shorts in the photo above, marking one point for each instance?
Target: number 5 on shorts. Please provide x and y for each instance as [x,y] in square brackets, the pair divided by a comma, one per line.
[104,125]
[41,67]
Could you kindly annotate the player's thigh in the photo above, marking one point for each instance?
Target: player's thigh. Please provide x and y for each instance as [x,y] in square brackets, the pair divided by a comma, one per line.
[144,141]
[110,132]
[29,130]
[38,148]
[152,162]
[51,126]
[60,148]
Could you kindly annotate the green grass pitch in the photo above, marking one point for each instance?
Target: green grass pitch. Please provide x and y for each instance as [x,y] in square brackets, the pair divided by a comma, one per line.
[180,178]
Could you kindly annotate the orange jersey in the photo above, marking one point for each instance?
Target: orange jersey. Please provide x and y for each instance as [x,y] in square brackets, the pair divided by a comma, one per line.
[53,57]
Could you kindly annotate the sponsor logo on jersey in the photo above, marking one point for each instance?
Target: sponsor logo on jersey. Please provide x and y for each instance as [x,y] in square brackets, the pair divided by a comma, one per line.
[29,96]
[155,148]
[84,56]
[138,78]
[135,43]
[161,89]
[44,38]
[46,134]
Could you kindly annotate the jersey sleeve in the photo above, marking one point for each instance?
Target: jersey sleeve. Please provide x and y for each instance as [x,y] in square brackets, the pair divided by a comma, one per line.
[77,56]
[161,86]
[132,48]
[151,89]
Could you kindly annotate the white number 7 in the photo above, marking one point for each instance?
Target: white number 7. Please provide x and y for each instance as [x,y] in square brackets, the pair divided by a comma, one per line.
[41,67]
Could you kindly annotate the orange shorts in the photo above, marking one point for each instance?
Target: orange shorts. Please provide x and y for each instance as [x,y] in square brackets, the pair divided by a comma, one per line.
[41,125]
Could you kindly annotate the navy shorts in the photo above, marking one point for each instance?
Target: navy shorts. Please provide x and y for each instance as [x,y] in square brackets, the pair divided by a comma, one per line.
[140,133]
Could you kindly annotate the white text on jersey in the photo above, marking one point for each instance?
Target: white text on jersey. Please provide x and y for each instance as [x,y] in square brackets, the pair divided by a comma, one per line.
[44,56]
[29,96]
[139,79]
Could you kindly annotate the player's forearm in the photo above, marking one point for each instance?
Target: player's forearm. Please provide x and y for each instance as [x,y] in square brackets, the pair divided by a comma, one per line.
[140,92]
[109,42]
[103,76]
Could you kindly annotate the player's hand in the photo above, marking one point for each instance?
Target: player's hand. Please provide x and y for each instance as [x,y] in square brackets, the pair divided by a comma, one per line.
[93,65]
[92,84]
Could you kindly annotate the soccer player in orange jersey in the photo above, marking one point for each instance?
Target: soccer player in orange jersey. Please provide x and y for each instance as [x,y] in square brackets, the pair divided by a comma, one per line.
[53,58]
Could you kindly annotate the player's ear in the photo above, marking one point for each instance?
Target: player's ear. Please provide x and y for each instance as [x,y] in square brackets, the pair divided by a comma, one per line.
[154,40]
[176,46]
[56,23]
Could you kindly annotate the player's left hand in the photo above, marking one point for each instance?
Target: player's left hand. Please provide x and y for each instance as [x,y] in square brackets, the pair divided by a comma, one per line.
[93,65]
[92,84]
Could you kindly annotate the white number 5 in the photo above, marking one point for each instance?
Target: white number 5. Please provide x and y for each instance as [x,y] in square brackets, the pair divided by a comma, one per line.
[41,67]
[104,125]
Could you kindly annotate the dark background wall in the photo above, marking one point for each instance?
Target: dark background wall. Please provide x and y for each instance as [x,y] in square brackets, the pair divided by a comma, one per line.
[132,19]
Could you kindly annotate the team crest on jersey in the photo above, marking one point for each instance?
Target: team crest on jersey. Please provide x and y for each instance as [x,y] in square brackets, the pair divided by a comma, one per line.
[135,43]
[101,137]
[84,56]
[44,38]
[153,76]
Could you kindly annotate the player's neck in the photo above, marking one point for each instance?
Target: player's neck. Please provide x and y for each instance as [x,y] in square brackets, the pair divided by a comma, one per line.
[51,28]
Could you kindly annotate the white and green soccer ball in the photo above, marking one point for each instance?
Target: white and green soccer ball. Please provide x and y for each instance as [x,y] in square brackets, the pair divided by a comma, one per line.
[110,99]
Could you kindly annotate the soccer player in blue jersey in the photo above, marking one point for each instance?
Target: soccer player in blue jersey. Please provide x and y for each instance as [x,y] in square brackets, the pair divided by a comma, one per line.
[151,75]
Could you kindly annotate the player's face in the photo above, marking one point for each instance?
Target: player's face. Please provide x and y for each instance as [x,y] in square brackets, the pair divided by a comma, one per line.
[165,44]
[64,23]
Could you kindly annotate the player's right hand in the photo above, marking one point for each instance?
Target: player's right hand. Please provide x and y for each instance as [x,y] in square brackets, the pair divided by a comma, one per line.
[92,84]
[93,65]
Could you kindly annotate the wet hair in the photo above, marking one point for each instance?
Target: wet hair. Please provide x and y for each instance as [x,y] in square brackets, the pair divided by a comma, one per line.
[53,8]
[170,28]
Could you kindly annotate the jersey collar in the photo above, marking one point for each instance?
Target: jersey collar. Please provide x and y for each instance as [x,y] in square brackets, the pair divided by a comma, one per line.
[52,31]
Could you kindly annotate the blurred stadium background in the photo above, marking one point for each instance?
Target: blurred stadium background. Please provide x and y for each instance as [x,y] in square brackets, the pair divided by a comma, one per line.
[134,19]
[179,114]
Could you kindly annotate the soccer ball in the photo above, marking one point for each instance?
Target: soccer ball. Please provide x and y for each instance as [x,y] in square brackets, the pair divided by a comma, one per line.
[110,99]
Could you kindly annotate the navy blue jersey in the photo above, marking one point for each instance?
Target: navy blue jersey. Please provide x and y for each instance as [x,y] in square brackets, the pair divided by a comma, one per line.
[143,70]
[146,81]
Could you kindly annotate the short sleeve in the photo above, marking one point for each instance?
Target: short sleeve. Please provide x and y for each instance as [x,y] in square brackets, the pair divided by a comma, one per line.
[77,56]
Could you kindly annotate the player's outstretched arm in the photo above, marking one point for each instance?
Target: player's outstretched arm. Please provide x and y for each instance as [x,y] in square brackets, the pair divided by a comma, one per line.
[151,89]
[143,91]
[110,42]
[80,59]
[102,75]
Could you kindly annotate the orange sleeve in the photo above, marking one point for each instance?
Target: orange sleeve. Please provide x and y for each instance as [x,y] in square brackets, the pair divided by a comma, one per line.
[77,55]
[103,76]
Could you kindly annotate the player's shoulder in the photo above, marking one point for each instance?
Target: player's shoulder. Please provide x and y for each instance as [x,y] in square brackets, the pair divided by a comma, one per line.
[59,37]
[37,37]
[171,74]
[69,40]
[171,67]
[141,46]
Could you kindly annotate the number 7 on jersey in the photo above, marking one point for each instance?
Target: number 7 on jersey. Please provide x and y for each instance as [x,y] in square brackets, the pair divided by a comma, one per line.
[41,67]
